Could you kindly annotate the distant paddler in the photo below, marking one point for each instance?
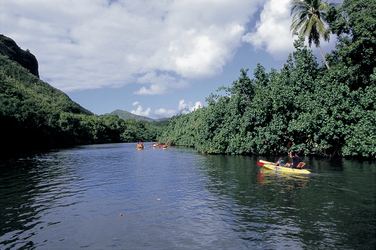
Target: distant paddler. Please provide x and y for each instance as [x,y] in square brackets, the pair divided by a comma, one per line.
[140,146]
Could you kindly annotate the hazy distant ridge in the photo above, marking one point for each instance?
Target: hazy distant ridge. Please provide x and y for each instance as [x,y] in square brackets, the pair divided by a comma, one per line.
[127,115]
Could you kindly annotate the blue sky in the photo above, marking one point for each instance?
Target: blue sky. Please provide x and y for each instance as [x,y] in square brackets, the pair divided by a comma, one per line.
[154,58]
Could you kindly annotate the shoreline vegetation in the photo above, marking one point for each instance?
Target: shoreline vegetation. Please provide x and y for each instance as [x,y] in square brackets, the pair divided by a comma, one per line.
[304,107]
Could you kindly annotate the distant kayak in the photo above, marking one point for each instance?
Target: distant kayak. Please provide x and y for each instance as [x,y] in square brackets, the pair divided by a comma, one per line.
[140,146]
[272,166]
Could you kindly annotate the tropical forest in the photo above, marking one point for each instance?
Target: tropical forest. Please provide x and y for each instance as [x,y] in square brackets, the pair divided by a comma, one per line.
[317,106]
[327,110]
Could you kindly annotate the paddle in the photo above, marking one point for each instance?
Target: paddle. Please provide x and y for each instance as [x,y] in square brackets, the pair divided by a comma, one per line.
[260,164]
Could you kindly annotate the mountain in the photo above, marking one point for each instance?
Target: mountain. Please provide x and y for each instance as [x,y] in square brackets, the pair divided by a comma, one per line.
[22,92]
[10,49]
[33,114]
[36,116]
[127,115]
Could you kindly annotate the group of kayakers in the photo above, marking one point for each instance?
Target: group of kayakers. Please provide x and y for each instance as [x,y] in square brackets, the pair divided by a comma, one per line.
[160,145]
[140,145]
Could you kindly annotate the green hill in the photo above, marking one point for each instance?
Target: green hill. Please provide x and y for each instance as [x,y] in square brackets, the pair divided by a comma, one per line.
[10,49]
[127,115]
[19,80]
[34,115]
[31,110]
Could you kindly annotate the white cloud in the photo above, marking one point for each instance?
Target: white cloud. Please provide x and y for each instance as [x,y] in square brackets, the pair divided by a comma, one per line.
[186,108]
[164,113]
[197,105]
[159,84]
[91,44]
[182,105]
[183,108]
[139,110]
[273,29]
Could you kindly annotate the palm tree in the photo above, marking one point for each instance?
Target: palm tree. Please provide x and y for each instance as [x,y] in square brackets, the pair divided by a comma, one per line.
[309,19]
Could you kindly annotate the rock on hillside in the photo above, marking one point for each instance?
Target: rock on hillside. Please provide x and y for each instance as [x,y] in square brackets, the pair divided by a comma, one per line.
[9,48]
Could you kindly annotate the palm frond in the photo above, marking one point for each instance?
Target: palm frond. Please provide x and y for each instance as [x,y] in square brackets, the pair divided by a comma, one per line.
[308,20]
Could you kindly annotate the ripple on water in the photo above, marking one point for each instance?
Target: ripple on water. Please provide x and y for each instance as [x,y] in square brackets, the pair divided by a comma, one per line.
[175,199]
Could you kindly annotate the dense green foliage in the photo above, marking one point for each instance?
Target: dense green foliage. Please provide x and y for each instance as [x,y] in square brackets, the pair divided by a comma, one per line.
[35,115]
[355,25]
[303,107]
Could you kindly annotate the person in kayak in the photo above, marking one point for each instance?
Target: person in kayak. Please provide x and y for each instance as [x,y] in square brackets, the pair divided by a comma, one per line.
[140,145]
[296,160]
[280,162]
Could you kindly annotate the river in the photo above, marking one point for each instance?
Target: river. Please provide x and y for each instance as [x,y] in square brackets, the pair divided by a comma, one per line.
[114,196]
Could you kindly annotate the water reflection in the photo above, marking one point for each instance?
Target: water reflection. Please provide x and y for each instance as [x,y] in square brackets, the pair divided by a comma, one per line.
[258,205]
[287,181]
[29,188]
[294,211]
[180,199]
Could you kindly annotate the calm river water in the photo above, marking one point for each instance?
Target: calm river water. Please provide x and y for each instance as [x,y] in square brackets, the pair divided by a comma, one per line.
[115,197]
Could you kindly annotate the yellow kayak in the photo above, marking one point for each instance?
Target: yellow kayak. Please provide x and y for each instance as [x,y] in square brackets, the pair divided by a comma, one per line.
[272,166]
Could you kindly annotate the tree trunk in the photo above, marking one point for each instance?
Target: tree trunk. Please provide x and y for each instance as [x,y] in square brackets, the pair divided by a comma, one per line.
[323,56]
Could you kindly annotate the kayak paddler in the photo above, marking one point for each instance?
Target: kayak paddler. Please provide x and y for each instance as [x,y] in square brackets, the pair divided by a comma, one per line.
[296,160]
[140,145]
[280,162]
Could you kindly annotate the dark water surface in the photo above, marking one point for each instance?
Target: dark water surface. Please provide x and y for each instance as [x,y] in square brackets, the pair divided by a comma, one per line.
[115,197]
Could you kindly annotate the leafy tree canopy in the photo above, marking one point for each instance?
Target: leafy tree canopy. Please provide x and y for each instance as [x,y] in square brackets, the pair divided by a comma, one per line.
[304,107]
